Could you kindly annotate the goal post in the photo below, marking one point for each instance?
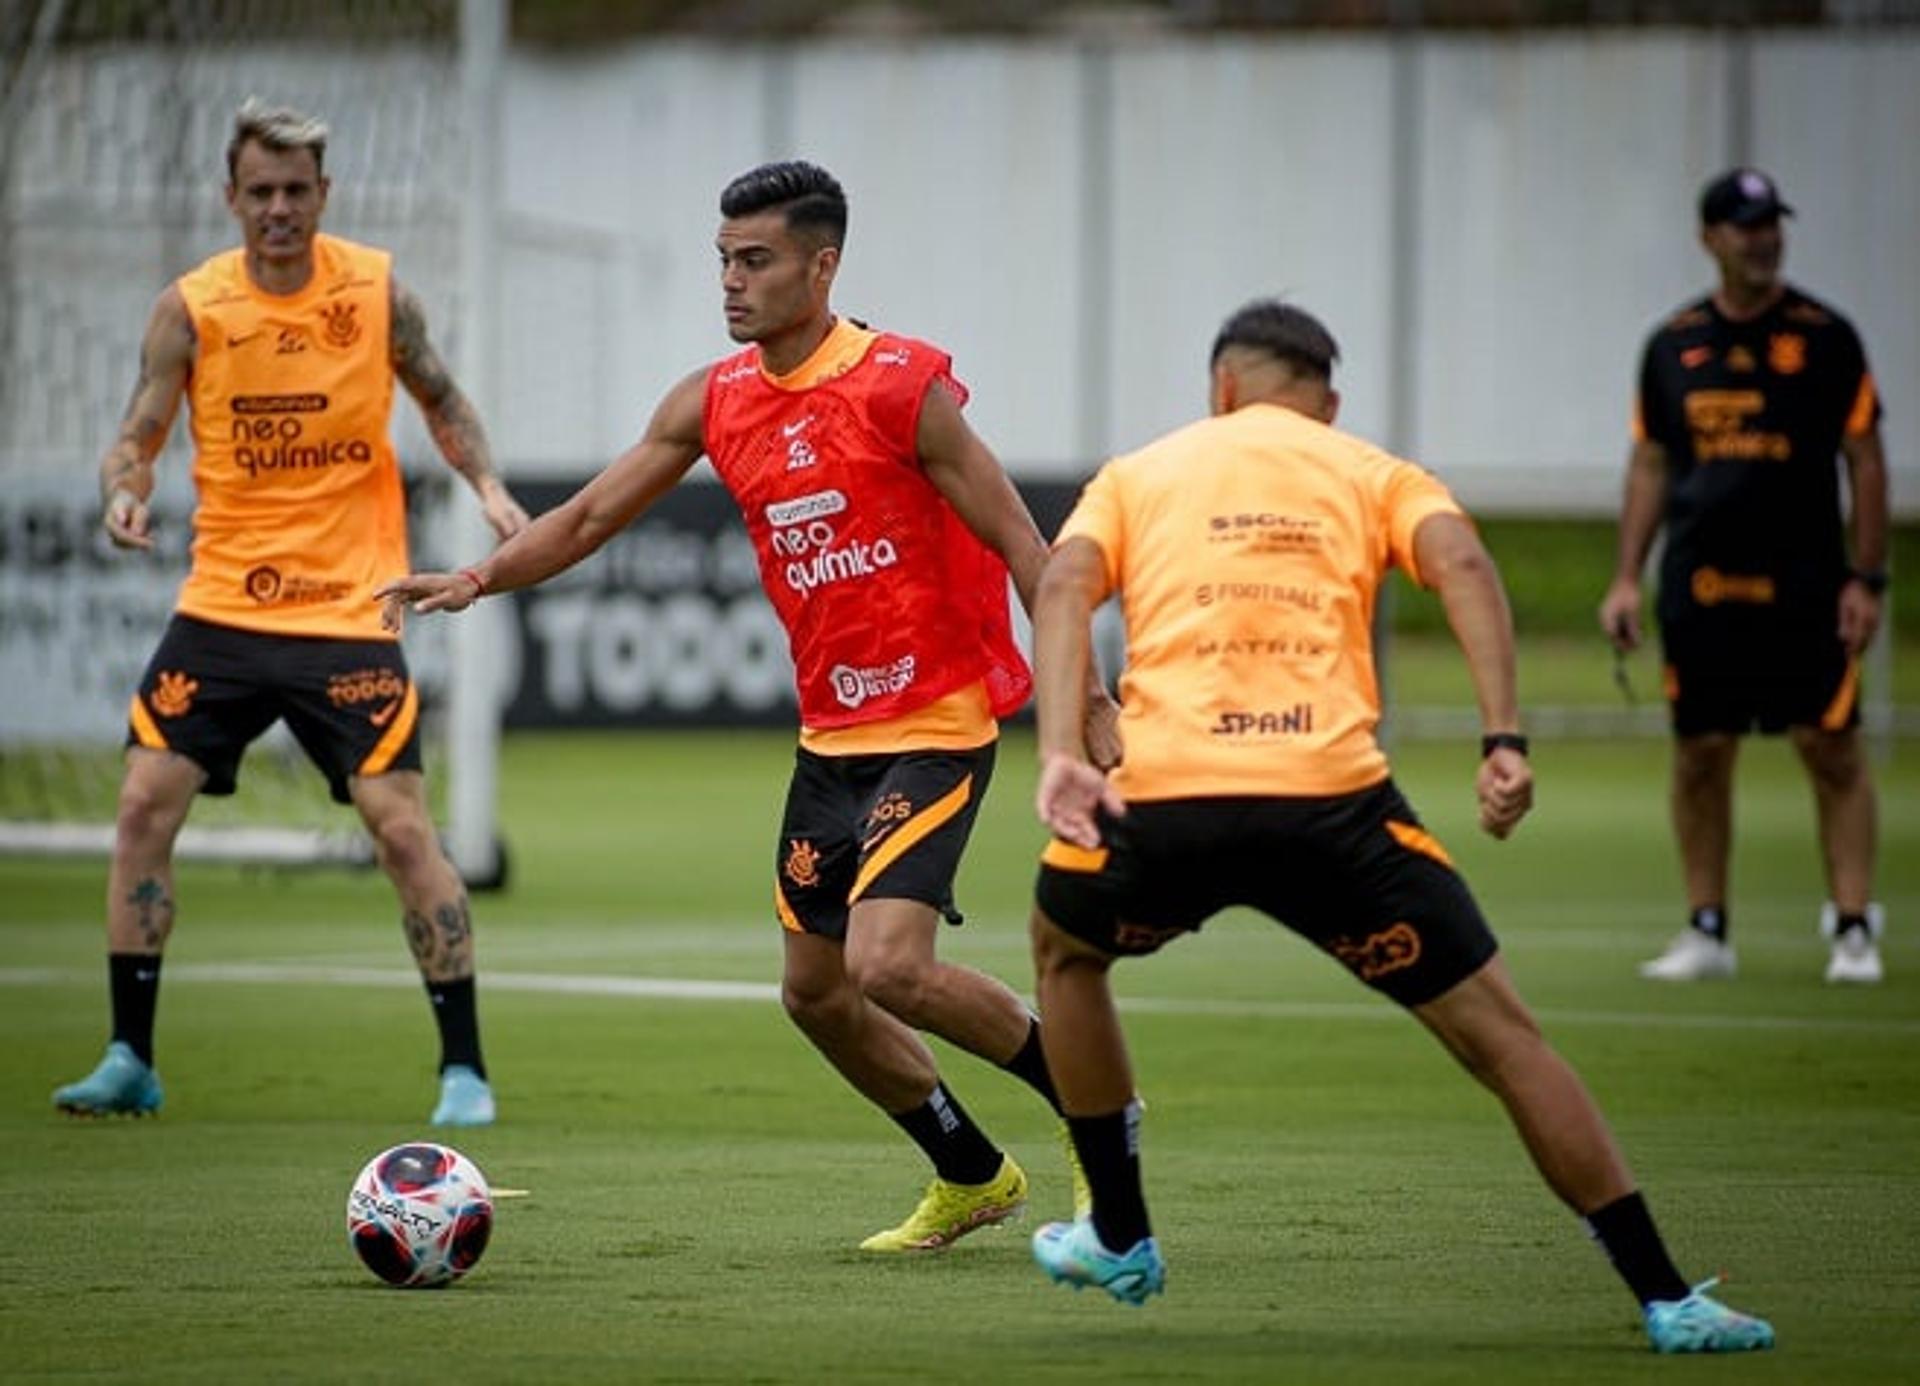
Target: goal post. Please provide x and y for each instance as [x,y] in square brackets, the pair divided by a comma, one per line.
[473,702]
[115,120]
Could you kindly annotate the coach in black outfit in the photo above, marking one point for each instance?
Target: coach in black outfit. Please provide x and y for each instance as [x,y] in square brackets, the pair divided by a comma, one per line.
[1745,398]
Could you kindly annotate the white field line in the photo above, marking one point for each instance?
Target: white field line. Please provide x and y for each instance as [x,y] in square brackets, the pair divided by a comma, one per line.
[686,989]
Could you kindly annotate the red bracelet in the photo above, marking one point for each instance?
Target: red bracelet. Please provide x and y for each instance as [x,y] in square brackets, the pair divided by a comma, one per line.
[479,583]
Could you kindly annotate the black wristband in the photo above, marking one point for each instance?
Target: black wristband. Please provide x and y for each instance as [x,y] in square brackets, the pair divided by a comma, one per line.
[1873,579]
[1502,741]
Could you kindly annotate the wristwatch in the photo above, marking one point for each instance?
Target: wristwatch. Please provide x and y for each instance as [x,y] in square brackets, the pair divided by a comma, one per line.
[1498,741]
[1873,579]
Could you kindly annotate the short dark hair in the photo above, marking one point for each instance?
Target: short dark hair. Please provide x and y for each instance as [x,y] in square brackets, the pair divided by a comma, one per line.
[1282,331]
[811,197]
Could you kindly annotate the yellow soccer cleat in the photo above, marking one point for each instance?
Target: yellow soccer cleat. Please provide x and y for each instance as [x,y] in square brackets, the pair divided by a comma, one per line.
[949,1211]
[1077,1172]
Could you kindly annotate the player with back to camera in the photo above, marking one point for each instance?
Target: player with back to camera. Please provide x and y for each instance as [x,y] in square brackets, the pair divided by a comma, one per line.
[1248,550]
[286,350]
[1745,397]
[885,531]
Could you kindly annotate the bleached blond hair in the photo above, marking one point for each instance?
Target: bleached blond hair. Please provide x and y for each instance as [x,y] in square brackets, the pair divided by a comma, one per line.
[278,128]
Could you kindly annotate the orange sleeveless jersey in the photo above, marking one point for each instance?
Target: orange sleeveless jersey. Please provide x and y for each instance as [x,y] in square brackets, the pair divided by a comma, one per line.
[300,512]
[1247,550]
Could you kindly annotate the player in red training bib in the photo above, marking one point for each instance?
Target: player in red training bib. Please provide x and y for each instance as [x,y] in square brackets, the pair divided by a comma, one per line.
[886,532]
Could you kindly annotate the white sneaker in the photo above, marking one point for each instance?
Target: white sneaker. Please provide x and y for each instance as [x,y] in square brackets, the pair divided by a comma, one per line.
[1692,957]
[1856,953]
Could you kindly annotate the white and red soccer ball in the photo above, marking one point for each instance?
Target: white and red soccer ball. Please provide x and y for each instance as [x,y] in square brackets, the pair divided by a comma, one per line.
[419,1215]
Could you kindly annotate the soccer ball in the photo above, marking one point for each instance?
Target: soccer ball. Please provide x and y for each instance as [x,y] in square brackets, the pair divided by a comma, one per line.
[419,1215]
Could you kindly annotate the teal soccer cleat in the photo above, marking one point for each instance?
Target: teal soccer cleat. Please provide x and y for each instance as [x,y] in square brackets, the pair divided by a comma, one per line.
[121,1084]
[1700,1323]
[1070,1253]
[465,1098]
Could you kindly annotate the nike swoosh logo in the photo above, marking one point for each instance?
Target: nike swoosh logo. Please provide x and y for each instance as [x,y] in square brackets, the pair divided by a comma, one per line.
[243,337]
[385,714]
[790,429]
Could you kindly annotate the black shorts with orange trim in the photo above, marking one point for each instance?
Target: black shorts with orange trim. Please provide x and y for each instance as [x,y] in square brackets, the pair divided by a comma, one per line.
[210,691]
[875,827]
[1759,674]
[1353,874]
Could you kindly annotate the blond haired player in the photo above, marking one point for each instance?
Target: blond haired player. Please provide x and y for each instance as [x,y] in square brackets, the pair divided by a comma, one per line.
[286,350]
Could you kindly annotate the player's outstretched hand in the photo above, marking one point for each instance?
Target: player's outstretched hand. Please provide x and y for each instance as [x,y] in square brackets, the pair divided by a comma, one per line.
[424,592]
[127,520]
[1505,786]
[1070,791]
[503,512]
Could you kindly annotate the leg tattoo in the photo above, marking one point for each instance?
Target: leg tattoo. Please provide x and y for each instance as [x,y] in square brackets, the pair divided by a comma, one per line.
[149,896]
[419,936]
[456,924]
[437,943]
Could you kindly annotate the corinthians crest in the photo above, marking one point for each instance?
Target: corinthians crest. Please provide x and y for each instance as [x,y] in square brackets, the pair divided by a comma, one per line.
[803,862]
[341,324]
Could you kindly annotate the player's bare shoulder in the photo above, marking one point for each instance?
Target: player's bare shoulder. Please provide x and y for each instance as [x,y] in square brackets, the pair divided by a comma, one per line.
[170,341]
[680,417]
[167,351]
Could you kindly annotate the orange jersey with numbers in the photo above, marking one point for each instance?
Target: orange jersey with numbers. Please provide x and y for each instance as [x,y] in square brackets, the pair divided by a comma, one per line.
[300,511]
[1247,550]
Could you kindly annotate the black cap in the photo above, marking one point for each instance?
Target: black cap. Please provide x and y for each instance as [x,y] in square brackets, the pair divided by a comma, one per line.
[1743,196]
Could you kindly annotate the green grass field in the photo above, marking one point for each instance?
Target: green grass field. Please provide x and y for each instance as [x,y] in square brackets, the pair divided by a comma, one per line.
[1337,1204]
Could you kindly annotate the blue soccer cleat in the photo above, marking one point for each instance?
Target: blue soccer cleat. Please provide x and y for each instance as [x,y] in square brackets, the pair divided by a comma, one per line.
[121,1084]
[1700,1323]
[465,1098]
[1071,1254]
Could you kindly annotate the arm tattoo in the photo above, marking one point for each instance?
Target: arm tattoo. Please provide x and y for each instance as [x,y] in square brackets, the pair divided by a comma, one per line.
[132,414]
[414,359]
[119,471]
[450,416]
[165,358]
[144,427]
[457,433]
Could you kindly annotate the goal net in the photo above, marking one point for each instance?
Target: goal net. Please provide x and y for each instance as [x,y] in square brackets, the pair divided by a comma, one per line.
[114,120]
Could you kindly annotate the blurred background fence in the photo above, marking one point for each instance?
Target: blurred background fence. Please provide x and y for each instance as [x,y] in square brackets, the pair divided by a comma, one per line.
[1491,202]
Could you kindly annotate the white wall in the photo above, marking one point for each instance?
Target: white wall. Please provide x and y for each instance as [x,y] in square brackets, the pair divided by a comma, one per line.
[1489,224]
[1559,179]
[1243,170]
[1073,222]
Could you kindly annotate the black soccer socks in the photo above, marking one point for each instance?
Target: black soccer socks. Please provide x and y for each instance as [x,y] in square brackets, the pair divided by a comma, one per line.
[960,1151]
[133,985]
[1625,1230]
